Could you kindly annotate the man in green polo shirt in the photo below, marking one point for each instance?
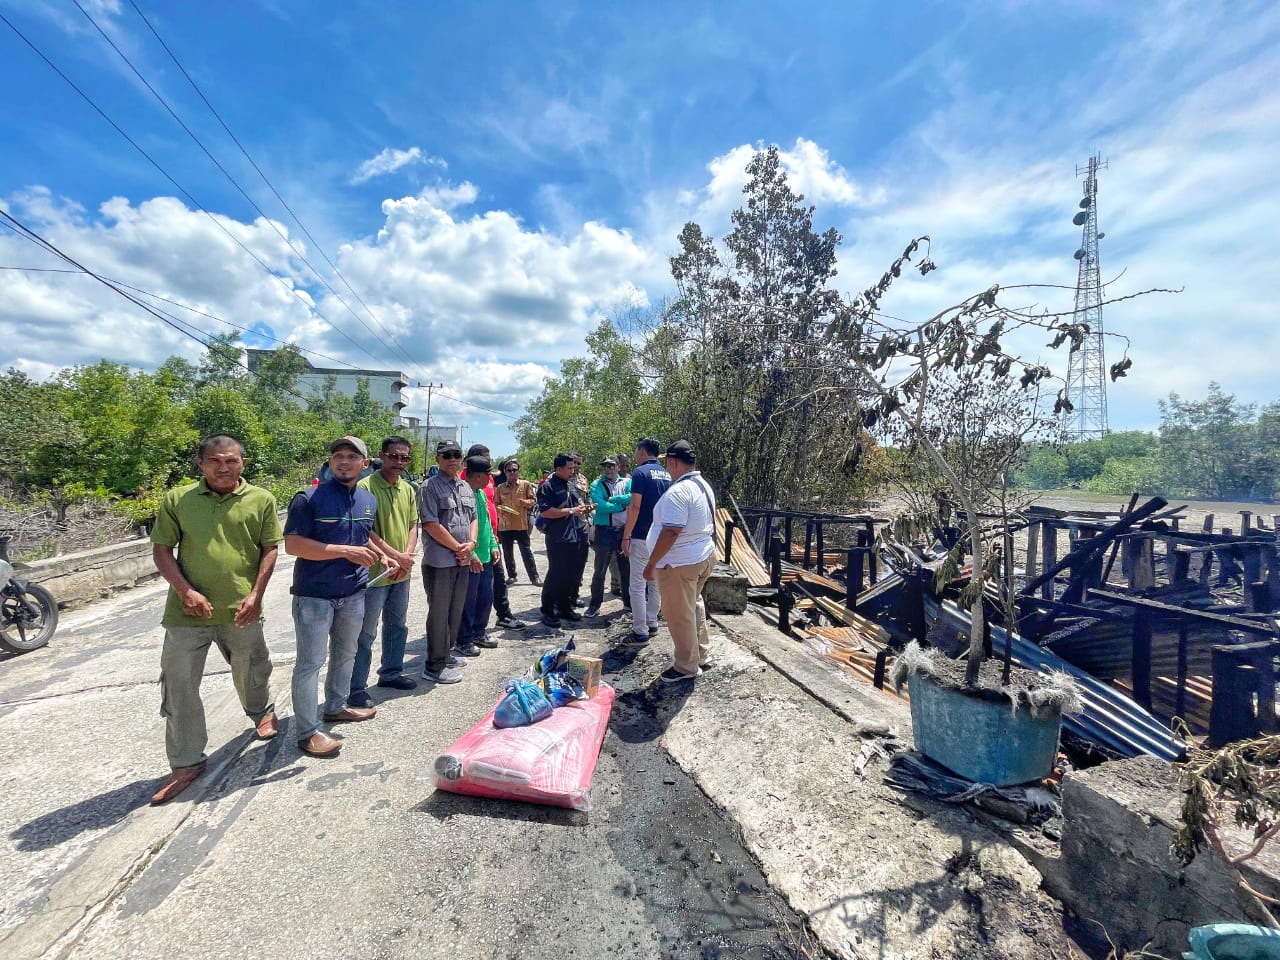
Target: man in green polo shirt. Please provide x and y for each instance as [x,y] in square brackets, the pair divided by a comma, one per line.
[396,522]
[227,534]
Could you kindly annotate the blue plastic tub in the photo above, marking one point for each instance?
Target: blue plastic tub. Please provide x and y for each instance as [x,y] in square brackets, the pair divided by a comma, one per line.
[981,740]
[1233,941]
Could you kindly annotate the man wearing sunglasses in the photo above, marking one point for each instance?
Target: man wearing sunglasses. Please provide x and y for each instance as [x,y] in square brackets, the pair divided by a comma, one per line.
[447,510]
[387,598]
[515,498]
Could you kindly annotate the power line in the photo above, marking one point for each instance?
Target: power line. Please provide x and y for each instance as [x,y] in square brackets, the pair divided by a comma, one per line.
[236,240]
[187,306]
[468,403]
[270,186]
[232,180]
[166,318]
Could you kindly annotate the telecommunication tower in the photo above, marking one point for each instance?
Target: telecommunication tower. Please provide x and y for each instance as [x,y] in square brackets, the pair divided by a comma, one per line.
[1086,372]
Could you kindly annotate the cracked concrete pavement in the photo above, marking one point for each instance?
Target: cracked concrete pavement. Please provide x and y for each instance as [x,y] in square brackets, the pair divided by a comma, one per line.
[275,852]
[727,818]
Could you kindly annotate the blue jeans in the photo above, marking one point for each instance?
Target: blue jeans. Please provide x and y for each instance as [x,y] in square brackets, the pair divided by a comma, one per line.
[475,615]
[391,603]
[324,628]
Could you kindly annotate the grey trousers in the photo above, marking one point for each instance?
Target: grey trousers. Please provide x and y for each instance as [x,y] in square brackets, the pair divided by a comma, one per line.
[446,599]
[182,660]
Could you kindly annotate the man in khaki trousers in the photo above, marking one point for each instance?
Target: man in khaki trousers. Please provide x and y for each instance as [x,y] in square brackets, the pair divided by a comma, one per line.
[682,546]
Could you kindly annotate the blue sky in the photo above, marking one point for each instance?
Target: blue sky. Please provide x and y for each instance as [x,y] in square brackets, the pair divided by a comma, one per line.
[492,178]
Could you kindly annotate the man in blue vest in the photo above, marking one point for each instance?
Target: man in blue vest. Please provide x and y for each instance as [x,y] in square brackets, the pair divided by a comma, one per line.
[330,531]
[649,482]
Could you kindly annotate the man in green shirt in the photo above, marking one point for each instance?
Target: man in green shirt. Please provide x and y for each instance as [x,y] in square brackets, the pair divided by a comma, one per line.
[475,615]
[227,534]
[396,522]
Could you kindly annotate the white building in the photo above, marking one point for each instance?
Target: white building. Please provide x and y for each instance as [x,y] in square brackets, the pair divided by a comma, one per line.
[384,385]
[428,435]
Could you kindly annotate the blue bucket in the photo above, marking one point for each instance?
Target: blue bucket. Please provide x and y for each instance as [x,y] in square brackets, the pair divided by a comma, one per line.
[1233,941]
[985,741]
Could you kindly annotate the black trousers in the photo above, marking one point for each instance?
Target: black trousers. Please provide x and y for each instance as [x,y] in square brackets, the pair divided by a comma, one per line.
[608,546]
[563,574]
[508,539]
[500,601]
[580,565]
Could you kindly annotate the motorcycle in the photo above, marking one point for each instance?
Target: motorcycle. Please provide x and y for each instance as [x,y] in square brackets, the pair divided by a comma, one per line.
[28,612]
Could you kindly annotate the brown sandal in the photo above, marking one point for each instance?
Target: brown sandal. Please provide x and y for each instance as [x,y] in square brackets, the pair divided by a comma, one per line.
[178,781]
[267,727]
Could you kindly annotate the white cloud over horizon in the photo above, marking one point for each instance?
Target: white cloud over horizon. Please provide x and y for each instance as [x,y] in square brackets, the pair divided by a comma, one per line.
[488,300]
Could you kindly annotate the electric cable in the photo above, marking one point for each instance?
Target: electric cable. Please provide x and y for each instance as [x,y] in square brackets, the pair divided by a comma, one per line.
[163,316]
[270,186]
[236,240]
[232,180]
[186,306]
[500,413]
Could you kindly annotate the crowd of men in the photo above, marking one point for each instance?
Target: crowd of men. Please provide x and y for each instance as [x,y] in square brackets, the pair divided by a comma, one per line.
[355,537]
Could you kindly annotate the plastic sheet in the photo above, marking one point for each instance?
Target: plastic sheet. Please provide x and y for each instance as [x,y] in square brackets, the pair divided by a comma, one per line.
[550,762]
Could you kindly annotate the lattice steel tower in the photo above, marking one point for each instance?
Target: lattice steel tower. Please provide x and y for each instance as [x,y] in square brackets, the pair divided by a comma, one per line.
[1086,372]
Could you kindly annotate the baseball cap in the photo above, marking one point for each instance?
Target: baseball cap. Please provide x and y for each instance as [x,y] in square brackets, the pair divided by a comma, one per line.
[355,443]
[682,450]
[447,446]
[609,462]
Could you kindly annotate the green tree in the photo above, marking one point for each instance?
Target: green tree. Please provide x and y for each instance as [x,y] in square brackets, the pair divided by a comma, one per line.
[33,418]
[740,357]
[223,409]
[1045,469]
[599,404]
[1205,446]
[1128,475]
[131,434]
[223,361]
[275,383]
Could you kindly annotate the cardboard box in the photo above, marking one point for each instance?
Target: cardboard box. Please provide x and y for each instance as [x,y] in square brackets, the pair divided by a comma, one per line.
[586,670]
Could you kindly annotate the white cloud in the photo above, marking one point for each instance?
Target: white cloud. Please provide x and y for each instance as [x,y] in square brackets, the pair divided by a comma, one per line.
[159,245]
[449,196]
[389,160]
[487,284]
[810,171]
[482,303]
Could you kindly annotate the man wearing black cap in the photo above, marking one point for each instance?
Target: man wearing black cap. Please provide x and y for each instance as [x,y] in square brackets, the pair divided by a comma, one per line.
[447,509]
[330,531]
[563,508]
[681,552]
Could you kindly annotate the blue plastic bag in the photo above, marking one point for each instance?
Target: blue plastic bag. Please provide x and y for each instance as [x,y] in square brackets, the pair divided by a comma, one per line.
[524,703]
[554,659]
[562,689]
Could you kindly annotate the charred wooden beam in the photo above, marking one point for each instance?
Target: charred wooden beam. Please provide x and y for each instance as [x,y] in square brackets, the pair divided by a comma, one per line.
[1092,547]
[1142,657]
[1204,616]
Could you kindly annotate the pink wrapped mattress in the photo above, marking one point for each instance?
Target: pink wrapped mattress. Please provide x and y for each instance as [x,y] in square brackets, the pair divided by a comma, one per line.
[550,762]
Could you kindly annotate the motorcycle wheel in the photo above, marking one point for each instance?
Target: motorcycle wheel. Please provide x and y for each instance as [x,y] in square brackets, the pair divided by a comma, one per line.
[19,631]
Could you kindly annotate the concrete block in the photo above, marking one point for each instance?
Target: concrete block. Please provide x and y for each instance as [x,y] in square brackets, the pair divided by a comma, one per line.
[726,591]
[1117,868]
[91,574]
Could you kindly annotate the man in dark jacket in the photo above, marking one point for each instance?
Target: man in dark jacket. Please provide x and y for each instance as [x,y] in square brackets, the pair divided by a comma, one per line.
[563,508]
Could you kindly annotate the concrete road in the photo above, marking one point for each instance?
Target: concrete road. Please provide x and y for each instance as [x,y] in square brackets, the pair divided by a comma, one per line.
[275,853]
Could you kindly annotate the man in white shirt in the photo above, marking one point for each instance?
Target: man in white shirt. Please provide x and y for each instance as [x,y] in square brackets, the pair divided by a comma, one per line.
[681,546]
